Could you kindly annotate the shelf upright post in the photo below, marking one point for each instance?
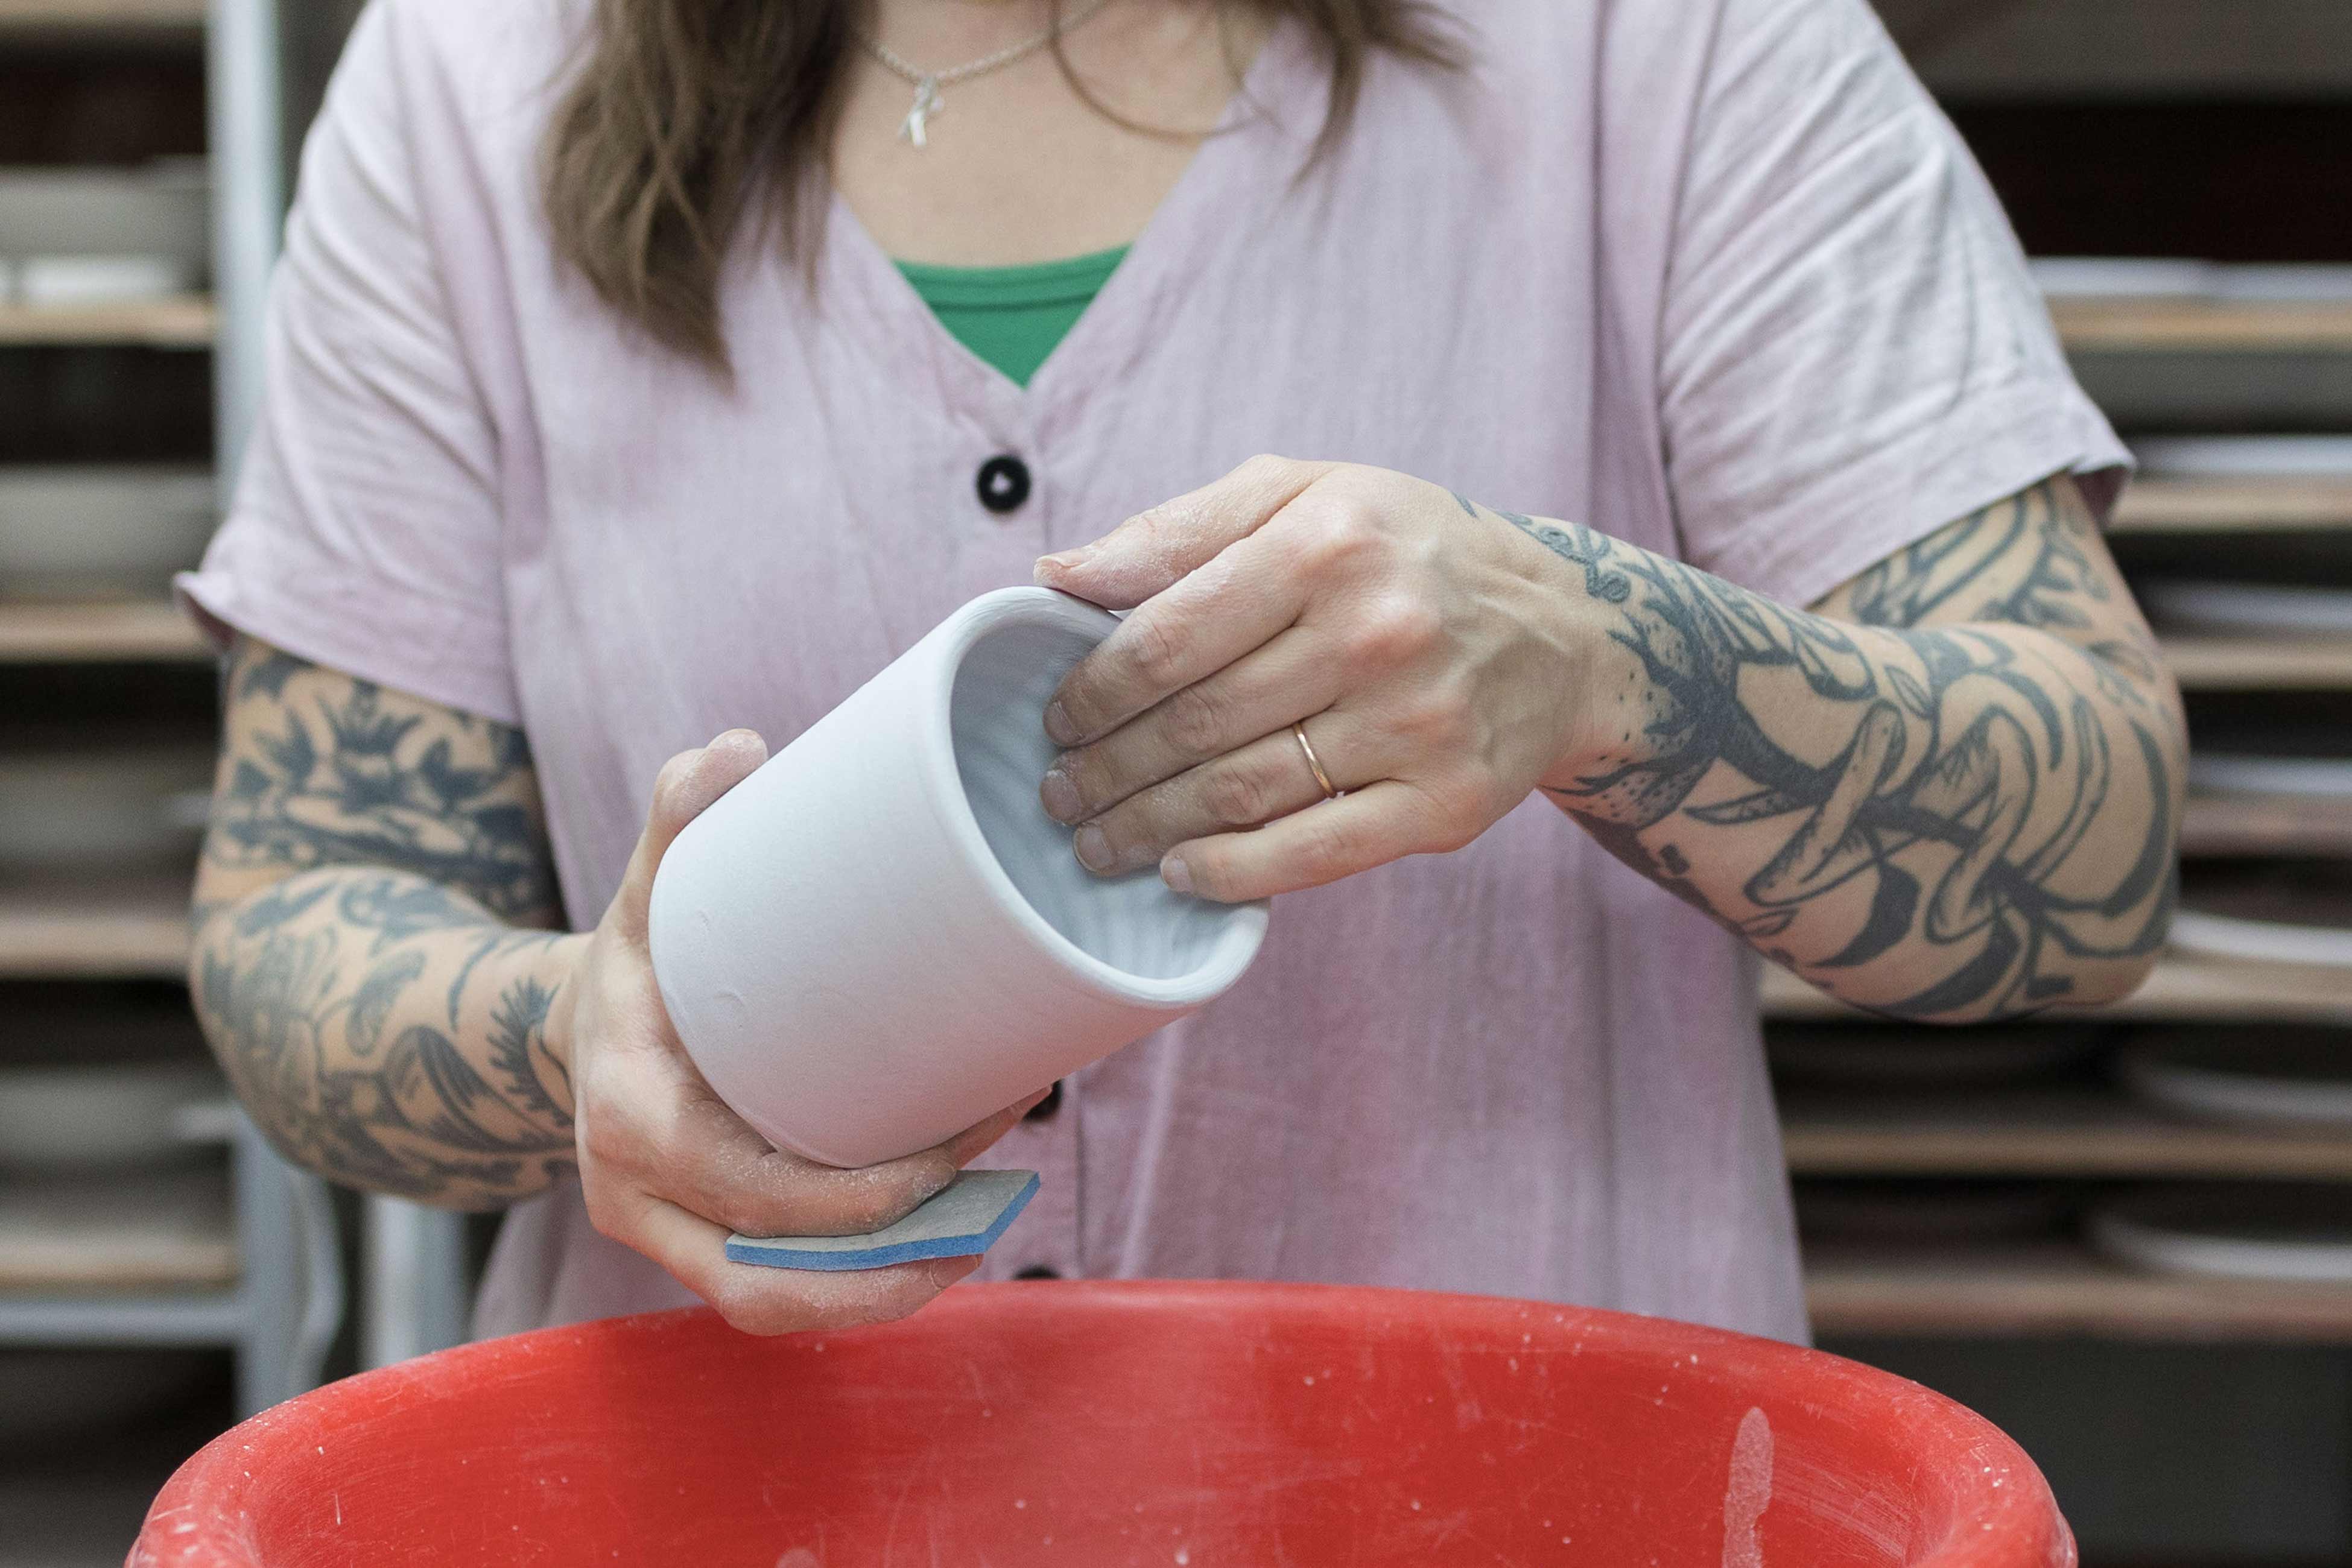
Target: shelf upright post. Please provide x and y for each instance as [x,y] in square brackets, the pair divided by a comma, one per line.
[291,1291]
[244,69]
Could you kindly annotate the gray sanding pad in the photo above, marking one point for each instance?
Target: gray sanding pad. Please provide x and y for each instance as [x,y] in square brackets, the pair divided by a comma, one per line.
[963,1220]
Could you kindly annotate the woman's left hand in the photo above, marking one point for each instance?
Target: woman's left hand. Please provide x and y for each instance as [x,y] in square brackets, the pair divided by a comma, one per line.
[1435,653]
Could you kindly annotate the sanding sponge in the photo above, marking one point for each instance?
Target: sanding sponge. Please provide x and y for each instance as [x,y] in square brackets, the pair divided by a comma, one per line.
[962,1220]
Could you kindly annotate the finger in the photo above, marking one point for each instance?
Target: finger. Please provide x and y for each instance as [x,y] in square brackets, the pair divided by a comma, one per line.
[1228,609]
[708,1160]
[780,1301]
[688,785]
[1370,827]
[1264,780]
[1286,680]
[1151,550]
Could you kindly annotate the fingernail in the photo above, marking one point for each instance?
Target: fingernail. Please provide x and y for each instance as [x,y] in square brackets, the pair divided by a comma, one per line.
[1176,875]
[1094,848]
[1058,725]
[1064,561]
[1061,797]
[951,1271]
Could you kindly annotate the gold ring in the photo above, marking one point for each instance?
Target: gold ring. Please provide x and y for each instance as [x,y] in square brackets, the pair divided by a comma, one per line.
[1321,778]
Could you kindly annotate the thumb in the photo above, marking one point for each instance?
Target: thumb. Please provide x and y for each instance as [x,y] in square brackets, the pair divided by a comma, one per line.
[1153,548]
[689,784]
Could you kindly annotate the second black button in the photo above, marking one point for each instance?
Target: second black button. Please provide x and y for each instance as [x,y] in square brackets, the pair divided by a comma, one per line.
[1003,483]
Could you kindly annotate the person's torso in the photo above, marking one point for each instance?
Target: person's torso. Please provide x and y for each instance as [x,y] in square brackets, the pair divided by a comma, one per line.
[1517,1069]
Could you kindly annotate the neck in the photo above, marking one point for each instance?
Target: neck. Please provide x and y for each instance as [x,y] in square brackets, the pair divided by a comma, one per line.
[939,34]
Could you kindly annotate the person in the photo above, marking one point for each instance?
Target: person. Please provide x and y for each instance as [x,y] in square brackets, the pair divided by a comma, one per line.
[1687,549]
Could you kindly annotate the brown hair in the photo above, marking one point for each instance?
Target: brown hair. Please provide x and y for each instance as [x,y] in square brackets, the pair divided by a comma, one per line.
[690,113]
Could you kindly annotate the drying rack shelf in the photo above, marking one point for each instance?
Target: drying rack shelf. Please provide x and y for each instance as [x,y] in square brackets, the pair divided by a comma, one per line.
[100,930]
[2182,989]
[187,321]
[2219,824]
[165,1231]
[32,633]
[2282,505]
[2057,1289]
[2283,664]
[101,15]
[211,1317]
[2199,326]
[2071,1131]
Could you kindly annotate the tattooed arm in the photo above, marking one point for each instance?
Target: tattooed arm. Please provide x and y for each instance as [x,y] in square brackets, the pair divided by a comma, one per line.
[377,966]
[375,956]
[1950,791]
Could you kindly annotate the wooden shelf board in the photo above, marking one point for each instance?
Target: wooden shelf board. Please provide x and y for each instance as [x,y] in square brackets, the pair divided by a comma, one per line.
[160,1230]
[96,930]
[2059,1290]
[186,322]
[2217,824]
[2293,664]
[101,15]
[2182,989]
[2172,326]
[2234,506]
[2073,1132]
[85,634]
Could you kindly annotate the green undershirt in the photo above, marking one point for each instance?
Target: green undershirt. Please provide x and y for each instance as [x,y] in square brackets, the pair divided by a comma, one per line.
[1013,317]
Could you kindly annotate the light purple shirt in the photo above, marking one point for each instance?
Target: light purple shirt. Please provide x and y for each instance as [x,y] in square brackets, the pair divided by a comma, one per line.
[1712,274]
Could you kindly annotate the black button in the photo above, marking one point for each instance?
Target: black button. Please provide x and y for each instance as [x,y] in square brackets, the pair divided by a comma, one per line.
[1039,1273]
[1045,1108]
[1004,484]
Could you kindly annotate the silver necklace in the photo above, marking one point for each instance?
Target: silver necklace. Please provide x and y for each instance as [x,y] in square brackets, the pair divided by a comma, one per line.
[916,128]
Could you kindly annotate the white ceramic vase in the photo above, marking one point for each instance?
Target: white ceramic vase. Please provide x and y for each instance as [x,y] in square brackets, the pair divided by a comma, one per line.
[880,939]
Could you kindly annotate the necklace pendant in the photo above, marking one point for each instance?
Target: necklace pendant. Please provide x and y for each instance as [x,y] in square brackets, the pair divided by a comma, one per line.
[927,103]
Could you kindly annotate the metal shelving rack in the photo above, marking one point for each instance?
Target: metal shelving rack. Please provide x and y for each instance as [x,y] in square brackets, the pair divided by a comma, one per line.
[279,1306]
[2134,349]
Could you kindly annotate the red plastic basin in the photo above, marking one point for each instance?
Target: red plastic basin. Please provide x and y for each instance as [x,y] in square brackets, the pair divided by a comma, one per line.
[1195,1424]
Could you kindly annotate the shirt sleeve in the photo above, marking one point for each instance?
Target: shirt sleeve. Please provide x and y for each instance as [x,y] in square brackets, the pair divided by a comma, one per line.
[365,533]
[1853,353]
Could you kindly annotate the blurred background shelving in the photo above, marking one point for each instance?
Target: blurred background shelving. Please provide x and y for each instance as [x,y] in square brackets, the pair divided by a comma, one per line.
[2181,171]
[161,1270]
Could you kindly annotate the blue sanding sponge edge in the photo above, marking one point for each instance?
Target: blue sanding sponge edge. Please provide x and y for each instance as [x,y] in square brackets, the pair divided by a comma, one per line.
[963,1220]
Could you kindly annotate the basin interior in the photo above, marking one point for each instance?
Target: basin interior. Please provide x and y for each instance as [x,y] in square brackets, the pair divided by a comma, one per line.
[996,716]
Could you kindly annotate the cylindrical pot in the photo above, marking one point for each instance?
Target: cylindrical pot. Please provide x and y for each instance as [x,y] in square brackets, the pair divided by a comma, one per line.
[880,939]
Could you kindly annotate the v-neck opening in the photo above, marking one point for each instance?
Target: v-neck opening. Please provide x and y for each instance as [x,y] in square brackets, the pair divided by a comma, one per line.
[1153,262]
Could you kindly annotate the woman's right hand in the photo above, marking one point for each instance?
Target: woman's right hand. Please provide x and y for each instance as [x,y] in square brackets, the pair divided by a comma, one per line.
[669,1170]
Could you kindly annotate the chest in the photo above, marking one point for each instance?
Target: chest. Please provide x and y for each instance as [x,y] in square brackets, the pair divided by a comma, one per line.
[719,553]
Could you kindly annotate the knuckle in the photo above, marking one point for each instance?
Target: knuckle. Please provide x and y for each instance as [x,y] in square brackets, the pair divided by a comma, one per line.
[1324,849]
[1345,536]
[882,1207]
[1448,831]
[1394,628]
[1448,819]
[603,1142]
[1154,648]
[608,1216]
[1194,720]
[1237,796]
[755,1213]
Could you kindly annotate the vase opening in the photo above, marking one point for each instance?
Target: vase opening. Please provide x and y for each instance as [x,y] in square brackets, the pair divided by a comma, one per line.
[996,717]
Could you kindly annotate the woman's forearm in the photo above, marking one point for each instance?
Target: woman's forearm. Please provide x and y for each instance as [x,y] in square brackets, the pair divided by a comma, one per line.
[391,1034]
[1966,810]
[371,962]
